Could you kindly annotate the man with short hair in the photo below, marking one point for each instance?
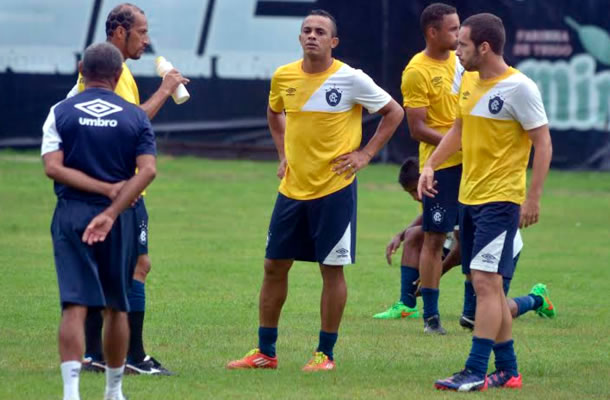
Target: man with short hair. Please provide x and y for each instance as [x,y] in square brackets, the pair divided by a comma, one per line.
[430,84]
[315,118]
[127,29]
[92,155]
[500,115]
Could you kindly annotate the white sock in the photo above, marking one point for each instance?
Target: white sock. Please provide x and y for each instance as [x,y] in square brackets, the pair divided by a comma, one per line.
[70,373]
[114,380]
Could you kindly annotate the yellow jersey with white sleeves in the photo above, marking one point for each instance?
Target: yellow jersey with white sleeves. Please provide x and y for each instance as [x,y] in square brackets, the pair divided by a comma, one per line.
[434,84]
[496,113]
[126,87]
[323,121]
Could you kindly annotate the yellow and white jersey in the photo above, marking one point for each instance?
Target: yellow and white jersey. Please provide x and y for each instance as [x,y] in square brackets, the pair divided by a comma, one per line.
[496,113]
[126,87]
[433,84]
[323,121]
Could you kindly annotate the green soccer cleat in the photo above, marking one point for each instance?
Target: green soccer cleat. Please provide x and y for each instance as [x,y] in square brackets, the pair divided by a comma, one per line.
[398,311]
[546,310]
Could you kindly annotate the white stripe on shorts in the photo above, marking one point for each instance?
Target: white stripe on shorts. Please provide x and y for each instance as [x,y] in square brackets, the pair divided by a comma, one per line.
[341,254]
[488,258]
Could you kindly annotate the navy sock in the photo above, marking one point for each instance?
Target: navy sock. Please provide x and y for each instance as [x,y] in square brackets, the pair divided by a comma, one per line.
[506,360]
[470,300]
[266,340]
[136,353]
[408,276]
[479,356]
[93,335]
[527,303]
[430,297]
[505,285]
[327,343]
[137,296]
[538,300]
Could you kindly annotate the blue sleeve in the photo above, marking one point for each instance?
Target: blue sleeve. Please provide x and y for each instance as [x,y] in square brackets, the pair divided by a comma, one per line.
[146,139]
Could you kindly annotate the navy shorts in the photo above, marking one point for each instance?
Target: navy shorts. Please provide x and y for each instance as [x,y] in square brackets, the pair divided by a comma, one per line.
[487,234]
[141,226]
[322,230]
[441,212]
[517,246]
[98,275]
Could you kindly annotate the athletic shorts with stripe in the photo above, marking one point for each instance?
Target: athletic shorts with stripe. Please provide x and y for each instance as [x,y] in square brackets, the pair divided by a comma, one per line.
[487,233]
[321,230]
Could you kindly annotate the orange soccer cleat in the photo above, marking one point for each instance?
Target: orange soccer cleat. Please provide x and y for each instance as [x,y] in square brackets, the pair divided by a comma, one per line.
[254,359]
[319,362]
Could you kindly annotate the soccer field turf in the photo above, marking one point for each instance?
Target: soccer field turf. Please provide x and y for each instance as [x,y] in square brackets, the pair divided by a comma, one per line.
[208,226]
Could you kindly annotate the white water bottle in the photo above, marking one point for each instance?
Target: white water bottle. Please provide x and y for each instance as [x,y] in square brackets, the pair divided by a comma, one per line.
[180,95]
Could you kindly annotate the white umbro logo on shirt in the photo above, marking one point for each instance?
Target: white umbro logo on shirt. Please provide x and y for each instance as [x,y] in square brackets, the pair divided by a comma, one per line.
[98,108]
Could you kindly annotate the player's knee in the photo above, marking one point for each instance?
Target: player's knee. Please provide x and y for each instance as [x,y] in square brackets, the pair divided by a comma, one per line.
[332,275]
[276,269]
[74,312]
[414,238]
[434,240]
[143,266]
[485,285]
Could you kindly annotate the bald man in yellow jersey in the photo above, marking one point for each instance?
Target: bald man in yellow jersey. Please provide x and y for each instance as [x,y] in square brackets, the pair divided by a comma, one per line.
[430,85]
[127,29]
[315,118]
[499,116]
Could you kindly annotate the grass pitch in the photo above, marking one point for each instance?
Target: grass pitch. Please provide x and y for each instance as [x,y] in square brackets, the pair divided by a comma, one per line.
[208,225]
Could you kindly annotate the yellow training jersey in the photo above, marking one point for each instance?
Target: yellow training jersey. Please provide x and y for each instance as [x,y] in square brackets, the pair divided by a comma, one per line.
[496,113]
[433,84]
[126,87]
[323,121]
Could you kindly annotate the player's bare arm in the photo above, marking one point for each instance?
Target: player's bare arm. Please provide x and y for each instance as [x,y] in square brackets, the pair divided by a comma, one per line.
[416,119]
[55,169]
[170,82]
[543,151]
[397,240]
[99,226]
[350,163]
[449,145]
[277,127]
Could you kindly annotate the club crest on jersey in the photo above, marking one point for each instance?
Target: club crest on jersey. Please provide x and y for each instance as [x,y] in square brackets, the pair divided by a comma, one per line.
[495,104]
[333,96]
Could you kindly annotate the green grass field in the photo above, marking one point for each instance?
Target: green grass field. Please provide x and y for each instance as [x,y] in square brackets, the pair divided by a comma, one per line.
[208,225]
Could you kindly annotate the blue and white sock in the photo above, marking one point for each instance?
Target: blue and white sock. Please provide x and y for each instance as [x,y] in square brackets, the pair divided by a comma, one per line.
[527,303]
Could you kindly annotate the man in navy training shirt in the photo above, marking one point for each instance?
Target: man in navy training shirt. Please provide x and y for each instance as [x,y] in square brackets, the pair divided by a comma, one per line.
[91,145]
